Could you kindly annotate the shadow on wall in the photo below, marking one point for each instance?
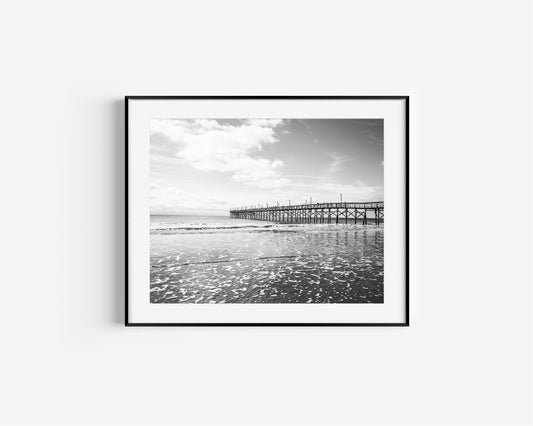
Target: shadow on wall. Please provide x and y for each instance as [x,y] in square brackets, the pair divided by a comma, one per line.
[118,213]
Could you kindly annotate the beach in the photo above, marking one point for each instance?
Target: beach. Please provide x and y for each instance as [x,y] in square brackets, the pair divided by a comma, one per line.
[216,259]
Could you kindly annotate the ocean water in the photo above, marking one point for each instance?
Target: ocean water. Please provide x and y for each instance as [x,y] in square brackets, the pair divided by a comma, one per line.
[206,259]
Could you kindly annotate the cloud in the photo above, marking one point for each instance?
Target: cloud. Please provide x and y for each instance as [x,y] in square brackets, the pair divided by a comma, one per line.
[259,172]
[264,122]
[178,200]
[208,145]
[337,162]
[329,191]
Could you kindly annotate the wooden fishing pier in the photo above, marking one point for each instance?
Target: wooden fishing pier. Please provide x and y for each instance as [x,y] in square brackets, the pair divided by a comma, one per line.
[343,212]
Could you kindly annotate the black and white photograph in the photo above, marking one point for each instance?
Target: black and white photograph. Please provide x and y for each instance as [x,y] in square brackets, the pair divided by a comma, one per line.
[267,211]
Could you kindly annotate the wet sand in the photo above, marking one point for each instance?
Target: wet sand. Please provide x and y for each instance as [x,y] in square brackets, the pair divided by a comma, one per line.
[279,264]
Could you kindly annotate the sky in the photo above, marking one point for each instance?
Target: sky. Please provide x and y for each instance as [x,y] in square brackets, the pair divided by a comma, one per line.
[208,166]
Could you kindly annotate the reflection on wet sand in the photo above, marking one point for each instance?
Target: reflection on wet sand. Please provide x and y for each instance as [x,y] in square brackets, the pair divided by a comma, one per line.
[280,264]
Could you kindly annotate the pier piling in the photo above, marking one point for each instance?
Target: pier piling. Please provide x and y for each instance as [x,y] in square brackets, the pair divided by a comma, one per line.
[314,213]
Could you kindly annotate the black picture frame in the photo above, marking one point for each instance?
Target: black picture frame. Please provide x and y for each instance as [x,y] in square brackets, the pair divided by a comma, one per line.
[406,321]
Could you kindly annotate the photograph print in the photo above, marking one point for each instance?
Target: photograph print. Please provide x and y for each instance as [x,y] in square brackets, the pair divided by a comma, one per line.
[267,210]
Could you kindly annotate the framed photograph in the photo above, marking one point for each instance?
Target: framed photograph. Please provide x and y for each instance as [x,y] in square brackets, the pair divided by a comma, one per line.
[267,211]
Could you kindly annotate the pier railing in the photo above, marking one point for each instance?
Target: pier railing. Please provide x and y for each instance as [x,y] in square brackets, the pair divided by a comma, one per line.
[343,212]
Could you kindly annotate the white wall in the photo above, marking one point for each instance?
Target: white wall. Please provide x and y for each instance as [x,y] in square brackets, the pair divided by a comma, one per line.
[65,358]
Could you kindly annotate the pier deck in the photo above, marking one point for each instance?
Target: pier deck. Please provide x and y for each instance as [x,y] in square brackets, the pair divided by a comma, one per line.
[344,212]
